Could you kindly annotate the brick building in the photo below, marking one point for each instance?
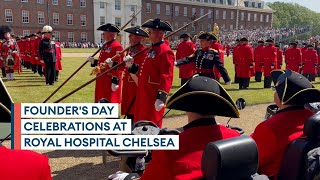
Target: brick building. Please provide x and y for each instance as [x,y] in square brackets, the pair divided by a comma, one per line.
[228,14]
[71,20]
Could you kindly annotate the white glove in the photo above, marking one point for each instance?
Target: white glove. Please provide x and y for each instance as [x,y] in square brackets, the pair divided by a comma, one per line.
[120,175]
[114,87]
[129,61]
[175,64]
[158,104]
[109,62]
[228,83]
[90,59]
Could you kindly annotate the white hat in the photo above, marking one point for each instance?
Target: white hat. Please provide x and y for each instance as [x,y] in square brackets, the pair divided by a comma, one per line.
[47,29]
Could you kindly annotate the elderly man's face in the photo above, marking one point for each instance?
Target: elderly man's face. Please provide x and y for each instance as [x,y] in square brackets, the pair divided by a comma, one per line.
[108,36]
[155,34]
[134,39]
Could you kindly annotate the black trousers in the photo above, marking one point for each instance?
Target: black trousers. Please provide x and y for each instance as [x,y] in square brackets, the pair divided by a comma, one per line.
[244,83]
[258,76]
[267,81]
[40,70]
[236,80]
[310,77]
[183,81]
[50,72]
[57,75]
[3,70]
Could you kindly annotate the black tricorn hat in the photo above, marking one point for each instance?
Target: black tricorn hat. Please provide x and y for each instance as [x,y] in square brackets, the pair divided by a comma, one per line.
[260,41]
[206,35]
[157,24]
[237,40]
[294,43]
[310,45]
[243,39]
[269,40]
[277,45]
[109,28]
[185,35]
[293,88]
[137,31]
[205,96]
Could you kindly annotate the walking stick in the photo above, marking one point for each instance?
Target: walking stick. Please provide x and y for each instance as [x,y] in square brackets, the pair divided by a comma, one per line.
[54,92]
[116,66]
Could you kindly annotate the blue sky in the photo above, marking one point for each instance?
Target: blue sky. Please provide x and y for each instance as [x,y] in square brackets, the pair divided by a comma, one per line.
[311,4]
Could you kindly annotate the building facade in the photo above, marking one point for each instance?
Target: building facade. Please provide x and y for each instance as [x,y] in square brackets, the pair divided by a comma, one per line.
[117,12]
[228,14]
[71,20]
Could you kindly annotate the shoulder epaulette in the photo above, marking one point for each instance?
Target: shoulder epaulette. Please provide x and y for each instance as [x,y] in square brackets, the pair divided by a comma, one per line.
[213,50]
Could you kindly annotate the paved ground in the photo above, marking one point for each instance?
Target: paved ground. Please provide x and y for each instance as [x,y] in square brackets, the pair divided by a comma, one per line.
[87,165]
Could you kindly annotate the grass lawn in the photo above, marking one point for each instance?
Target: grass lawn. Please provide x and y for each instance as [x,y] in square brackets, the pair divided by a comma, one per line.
[79,50]
[30,88]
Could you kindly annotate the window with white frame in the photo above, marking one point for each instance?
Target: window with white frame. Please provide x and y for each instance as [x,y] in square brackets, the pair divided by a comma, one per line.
[232,15]
[24,0]
[83,37]
[25,32]
[70,19]
[70,37]
[117,21]
[102,20]
[231,27]
[117,5]
[201,12]
[55,2]
[249,16]
[176,25]
[261,17]
[8,14]
[176,10]
[217,14]
[83,3]
[56,18]
[210,14]
[25,16]
[40,1]
[69,2]
[158,8]
[193,11]
[133,8]
[83,19]
[148,8]
[255,17]
[193,28]
[40,17]
[102,5]
[267,18]
[209,28]
[185,11]
[168,10]
[57,35]
[186,28]
[224,15]
[201,27]
[242,16]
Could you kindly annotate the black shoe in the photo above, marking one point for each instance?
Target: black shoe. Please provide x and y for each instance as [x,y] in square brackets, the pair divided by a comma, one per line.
[51,84]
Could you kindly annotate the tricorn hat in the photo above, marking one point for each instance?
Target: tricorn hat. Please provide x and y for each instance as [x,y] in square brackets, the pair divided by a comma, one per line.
[260,41]
[185,35]
[158,24]
[293,88]
[310,45]
[269,40]
[109,28]
[243,39]
[203,95]
[137,31]
[208,36]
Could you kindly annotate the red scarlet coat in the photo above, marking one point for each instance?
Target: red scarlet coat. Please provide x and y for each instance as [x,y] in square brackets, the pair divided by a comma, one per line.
[244,61]
[227,47]
[185,49]
[103,84]
[309,61]
[185,163]
[235,54]
[217,46]
[22,164]
[293,59]
[270,59]
[33,51]
[258,58]
[58,56]
[279,58]
[28,50]
[129,89]
[274,135]
[154,75]
[37,54]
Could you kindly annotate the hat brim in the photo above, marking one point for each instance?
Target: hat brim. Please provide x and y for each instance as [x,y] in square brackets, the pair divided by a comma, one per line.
[109,28]
[185,36]
[161,25]
[137,32]
[275,75]
[309,95]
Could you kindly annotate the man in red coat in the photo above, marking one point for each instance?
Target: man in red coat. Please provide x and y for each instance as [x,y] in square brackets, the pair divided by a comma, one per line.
[185,49]
[269,63]
[39,64]
[310,63]
[227,47]
[235,58]
[258,60]
[155,75]
[23,164]
[273,135]
[244,64]
[279,57]
[129,89]
[109,85]
[294,58]
[202,128]
[59,58]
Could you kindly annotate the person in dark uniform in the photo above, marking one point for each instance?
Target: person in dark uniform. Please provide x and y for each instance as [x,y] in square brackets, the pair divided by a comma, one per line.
[201,129]
[205,59]
[47,51]
[292,92]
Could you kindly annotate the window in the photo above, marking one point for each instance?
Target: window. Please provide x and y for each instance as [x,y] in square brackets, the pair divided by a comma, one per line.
[133,8]
[148,8]
[185,11]
[8,14]
[117,5]
[249,16]
[102,5]
[70,37]
[201,27]
[224,15]
[193,11]
[176,25]
[186,28]
[242,16]
[102,20]
[232,15]
[40,17]
[201,12]
[117,21]
[57,35]
[209,28]
[210,14]
[217,14]
[83,19]
[24,0]
[193,28]
[25,16]
[241,27]
[158,8]
[83,3]
[55,2]
[261,17]
[231,27]
[168,10]
[221,1]
[25,32]
[56,18]
[229,2]
[70,19]
[176,10]
[69,2]
[83,37]
[255,17]
[267,18]
[40,1]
